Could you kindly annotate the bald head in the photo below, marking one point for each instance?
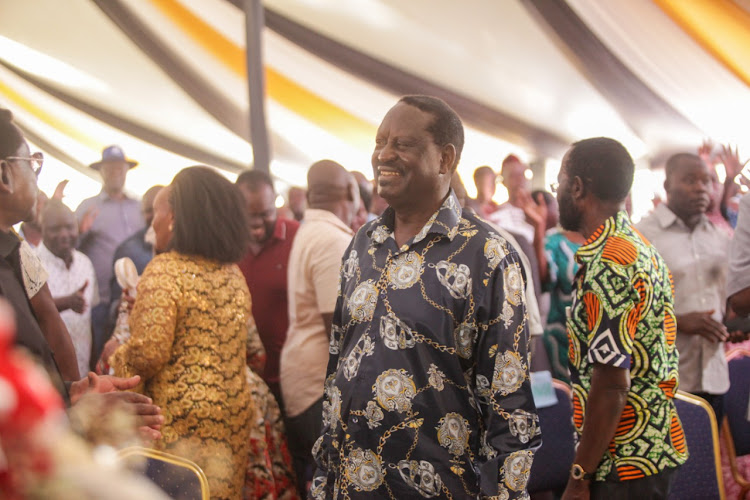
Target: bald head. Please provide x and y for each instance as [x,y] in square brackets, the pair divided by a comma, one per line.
[327,182]
[59,230]
[330,187]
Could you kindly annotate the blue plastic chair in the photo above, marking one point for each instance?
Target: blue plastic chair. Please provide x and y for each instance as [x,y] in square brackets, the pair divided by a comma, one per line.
[553,460]
[700,476]
[736,427]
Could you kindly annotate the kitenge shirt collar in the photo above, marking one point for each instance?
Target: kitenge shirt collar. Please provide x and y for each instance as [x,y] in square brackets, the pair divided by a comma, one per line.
[590,249]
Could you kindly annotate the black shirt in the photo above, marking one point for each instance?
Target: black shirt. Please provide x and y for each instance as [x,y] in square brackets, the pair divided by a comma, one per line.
[428,388]
[28,333]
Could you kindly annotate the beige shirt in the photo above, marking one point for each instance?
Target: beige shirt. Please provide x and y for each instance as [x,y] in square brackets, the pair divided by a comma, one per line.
[313,287]
[698,262]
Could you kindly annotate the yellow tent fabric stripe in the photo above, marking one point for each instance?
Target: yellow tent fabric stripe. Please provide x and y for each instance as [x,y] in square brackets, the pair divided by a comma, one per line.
[294,97]
[721,27]
[25,104]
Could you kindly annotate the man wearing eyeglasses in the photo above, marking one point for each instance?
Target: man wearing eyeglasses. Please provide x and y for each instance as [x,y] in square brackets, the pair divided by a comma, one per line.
[39,328]
[105,221]
[21,205]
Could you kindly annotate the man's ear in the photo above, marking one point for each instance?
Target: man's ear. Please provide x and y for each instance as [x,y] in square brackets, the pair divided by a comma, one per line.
[577,188]
[6,178]
[447,159]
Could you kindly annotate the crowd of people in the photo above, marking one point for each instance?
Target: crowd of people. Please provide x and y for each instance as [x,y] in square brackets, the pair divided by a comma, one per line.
[377,338]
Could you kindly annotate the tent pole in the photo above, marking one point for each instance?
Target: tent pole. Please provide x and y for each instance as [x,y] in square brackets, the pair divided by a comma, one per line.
[254,23]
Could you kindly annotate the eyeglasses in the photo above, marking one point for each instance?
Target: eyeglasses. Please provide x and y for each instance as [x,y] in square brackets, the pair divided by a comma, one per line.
[35,158]
[554,186]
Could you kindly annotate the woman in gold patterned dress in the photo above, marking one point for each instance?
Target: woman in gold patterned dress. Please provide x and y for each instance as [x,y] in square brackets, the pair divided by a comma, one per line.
[189,327]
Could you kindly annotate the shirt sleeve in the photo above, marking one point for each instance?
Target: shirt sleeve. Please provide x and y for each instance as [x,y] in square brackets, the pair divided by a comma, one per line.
[739,251]
[152,325]
[502,385]
[323,478]
[613,310]
[34,274]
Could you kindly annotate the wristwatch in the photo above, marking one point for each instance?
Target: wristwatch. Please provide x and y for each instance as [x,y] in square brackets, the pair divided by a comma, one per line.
[577,473]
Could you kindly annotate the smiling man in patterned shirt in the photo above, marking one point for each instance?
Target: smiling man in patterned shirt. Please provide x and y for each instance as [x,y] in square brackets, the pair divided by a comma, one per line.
[621,328]
[428,390]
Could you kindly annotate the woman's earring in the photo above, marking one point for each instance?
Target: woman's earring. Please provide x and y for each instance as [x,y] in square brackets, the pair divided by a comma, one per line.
[171,226]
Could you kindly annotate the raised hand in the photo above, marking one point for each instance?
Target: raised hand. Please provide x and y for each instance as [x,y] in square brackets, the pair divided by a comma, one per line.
[77,301]
[60,190]
[731,161]
[705,151]
[88,220]
[536,214]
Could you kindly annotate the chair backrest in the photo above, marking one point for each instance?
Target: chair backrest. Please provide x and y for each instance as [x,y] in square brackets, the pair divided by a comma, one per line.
[700,476]
[552,461]
[178,477]
[736,400]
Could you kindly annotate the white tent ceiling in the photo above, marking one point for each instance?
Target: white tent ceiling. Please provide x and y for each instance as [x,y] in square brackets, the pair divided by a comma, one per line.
[80,75]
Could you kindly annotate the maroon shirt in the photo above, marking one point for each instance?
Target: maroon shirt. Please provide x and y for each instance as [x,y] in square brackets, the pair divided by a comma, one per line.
[265,274]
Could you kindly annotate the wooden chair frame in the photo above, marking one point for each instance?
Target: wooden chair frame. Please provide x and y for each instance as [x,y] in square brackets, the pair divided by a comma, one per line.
[169,458]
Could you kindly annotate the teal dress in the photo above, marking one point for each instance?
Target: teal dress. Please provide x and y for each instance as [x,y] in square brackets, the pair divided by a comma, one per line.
[562,267]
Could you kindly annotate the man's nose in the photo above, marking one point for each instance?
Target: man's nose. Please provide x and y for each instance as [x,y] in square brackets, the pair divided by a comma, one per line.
[386,152]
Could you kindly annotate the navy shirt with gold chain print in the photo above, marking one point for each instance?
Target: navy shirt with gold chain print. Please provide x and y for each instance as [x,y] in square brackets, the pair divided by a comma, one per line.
[428,390]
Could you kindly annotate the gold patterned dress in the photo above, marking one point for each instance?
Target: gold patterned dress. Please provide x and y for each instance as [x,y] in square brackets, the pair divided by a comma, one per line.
[188,343]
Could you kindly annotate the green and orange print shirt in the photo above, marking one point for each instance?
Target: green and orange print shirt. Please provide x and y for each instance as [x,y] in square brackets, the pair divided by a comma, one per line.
[623,315]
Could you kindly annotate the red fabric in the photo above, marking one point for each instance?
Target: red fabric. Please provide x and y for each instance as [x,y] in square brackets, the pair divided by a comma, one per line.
[265,274]
[27,400]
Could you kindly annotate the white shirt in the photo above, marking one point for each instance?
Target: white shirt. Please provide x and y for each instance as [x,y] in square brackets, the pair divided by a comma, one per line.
[697,260]
[739,255]
[513,219]
[63,281]
[312,289]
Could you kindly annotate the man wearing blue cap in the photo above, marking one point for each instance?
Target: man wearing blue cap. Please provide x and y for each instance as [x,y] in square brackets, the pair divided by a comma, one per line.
[104,222]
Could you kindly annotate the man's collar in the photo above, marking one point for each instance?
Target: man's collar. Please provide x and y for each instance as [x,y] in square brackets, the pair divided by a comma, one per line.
[617,223]
[8,242]
[104,196]
[43,249]
[444,221]
[666,217]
